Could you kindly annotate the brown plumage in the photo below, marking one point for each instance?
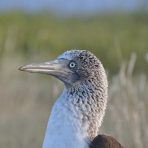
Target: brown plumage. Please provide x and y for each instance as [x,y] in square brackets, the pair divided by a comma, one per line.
[105,141]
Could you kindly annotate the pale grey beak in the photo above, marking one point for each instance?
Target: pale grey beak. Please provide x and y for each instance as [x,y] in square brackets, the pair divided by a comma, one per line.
[55,68]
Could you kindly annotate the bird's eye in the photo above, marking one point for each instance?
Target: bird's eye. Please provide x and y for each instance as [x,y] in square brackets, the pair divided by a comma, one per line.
[72,64]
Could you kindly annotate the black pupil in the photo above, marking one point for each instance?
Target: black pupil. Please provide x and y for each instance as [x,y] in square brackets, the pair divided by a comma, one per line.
[72,64]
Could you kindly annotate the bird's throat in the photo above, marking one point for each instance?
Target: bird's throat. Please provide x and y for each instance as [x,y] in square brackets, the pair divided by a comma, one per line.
[65,126]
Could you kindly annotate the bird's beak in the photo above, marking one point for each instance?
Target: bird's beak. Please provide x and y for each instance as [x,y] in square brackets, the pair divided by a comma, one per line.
[55,68]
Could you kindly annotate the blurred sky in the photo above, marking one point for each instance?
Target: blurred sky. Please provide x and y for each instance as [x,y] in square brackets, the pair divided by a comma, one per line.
[73,6]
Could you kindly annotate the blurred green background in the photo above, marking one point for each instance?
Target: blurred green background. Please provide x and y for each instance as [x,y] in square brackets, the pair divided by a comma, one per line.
[120,41]
[110,36]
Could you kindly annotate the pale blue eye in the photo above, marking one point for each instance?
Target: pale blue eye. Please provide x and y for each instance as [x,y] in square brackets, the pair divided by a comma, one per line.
[72,64]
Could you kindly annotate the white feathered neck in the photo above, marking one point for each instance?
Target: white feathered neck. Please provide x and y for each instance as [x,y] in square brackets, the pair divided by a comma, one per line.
[77,115]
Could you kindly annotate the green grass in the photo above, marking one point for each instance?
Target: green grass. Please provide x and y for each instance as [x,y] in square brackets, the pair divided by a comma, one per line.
[109,36]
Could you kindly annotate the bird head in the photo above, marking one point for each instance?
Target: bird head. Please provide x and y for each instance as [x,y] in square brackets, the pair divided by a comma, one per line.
[70,67]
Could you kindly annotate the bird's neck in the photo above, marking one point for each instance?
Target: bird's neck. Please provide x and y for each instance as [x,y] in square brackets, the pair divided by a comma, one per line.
[76,115]
[65,126]
[88,99]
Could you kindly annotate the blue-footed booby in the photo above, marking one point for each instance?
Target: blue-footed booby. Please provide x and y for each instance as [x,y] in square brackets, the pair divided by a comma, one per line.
[78,113]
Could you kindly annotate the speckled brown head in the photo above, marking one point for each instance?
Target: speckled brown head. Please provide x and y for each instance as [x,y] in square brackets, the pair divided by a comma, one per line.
[70,67]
